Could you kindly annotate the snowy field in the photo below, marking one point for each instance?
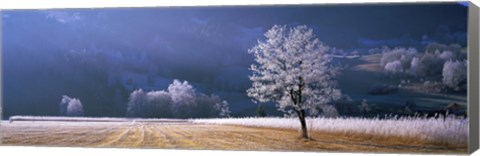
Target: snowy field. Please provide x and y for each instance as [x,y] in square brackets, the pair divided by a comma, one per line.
[450,131]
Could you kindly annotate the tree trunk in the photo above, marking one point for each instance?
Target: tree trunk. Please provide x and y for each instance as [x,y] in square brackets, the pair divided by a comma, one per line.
[301,116]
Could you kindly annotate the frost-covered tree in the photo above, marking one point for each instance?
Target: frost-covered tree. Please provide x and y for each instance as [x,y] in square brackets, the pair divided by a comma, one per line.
[75,108]
[454,74]
[458,51]
[429,64]
[64,104]
[137,101]
[183,97]
[211,106]
[394,67]
[420,64]
[292,69]
[415,66]
[447,55]
[404,55]
[70,106]
[158,104]
[149,104]
[397,60]
[432,65]
[223,109]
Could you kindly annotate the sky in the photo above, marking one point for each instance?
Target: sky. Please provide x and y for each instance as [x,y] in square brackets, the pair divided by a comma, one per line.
[92,53]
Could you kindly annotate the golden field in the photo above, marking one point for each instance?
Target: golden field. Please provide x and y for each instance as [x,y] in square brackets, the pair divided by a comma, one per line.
[187,135]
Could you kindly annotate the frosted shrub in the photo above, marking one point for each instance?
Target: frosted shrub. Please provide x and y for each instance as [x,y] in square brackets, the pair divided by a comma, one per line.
[64,104]
[455,74]
[70,106]
[403,55]
[223,109]
[431,65]
[394,67]
[416,64]
[75,108]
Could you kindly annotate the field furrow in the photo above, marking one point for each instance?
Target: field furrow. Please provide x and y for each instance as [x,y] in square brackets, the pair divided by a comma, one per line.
[114,137]
[162,139]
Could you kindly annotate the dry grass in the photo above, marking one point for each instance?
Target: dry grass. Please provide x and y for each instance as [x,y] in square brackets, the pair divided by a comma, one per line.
[203,136]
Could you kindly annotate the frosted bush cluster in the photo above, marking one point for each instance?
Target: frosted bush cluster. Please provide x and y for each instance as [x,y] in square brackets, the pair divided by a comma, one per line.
[438,60]
[70,106]
[179,101]
[455,74]
[394,67]
[402,55]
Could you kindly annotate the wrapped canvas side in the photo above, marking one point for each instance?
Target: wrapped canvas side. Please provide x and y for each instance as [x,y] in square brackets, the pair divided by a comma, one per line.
[473,90]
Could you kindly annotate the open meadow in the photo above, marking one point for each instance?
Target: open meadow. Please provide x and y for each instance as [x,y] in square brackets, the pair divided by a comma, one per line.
[235,134]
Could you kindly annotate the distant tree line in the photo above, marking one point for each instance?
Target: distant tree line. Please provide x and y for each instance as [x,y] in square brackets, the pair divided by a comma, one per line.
[180,100]
[446,64]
